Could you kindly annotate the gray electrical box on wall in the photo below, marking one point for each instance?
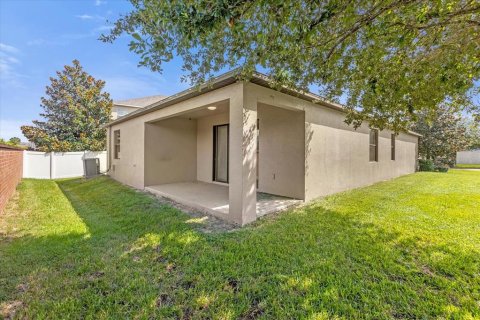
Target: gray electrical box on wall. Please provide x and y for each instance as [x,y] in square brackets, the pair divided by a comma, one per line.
[91,167]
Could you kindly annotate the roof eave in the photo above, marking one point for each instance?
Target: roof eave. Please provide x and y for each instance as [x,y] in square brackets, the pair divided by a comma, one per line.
[126,105]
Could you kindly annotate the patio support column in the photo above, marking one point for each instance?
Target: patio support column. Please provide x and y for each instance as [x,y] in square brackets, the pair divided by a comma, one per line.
[242,158]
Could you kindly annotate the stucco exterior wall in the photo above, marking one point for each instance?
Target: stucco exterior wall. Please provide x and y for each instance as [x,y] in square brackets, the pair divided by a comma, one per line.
[337,156]
[170,151]
[129,168]
[281,151]
[205,145]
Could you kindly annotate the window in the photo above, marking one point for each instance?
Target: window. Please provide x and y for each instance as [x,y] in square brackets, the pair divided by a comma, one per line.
[116,144]
[393,147]
[373,145]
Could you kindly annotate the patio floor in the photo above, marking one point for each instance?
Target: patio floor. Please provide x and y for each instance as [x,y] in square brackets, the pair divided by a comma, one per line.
[213,198]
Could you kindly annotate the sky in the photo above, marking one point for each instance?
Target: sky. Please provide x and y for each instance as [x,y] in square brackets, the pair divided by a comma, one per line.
[37,38]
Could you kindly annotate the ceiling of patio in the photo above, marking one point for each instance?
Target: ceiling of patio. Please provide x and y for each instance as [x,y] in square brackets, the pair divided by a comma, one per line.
[221,107]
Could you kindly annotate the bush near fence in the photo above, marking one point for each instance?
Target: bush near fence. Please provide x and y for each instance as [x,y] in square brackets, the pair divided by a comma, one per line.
[11,162]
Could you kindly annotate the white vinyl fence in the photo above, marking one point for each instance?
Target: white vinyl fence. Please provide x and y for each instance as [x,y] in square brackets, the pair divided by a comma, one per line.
[468,157]
[52,165]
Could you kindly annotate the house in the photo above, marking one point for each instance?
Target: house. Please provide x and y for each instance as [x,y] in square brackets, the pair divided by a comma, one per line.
[124,107]
[239,149]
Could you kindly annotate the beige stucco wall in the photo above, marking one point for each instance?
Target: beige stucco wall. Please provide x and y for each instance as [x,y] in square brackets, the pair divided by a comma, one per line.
[170,151]
[282,151]
[129,168]
[205,144]
[337,156]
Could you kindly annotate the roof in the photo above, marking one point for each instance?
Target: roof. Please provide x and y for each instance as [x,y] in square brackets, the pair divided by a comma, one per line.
[223,81]
[139,102]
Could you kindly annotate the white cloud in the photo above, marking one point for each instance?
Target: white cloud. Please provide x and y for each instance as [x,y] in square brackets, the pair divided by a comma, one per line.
[104,28]
[11,128]
[9,49]
[99,2]
[8,61]
[36,42]
[89,17]
[13,60]
[42,42]
[84,17]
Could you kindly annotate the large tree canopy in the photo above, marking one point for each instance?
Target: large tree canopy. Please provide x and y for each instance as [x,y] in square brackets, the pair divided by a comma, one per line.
[75,111]
[444,134]
[388,59]
[472,134]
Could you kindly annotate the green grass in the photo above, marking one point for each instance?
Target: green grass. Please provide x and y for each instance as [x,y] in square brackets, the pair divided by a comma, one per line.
[407,248]
[468,166]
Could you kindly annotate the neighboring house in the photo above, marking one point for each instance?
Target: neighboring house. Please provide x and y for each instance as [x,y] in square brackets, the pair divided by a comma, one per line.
[241,149]
[124,107]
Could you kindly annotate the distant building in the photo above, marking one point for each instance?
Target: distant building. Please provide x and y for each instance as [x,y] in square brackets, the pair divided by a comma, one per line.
[124,107]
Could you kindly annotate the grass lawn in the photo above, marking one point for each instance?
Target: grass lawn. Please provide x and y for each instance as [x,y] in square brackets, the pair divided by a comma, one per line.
[468,166]
[407,248]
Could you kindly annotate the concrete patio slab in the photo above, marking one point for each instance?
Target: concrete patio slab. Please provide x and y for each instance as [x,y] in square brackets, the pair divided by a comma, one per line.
[213,198]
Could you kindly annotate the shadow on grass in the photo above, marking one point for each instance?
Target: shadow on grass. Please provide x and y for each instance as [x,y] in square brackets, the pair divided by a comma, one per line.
[141,259]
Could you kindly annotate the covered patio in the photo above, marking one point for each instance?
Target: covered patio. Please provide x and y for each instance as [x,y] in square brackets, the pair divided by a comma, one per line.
[211,157]
[213,198]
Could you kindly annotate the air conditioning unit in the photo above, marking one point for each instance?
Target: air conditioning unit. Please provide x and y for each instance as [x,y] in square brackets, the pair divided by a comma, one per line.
[91,167]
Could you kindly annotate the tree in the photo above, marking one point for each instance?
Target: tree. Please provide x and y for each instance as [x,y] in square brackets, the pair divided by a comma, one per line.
[15,141]
[389,59]
[76,109]
[443,135]
[473,134]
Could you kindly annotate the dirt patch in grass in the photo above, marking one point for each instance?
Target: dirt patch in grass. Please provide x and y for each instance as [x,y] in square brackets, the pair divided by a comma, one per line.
[9,309]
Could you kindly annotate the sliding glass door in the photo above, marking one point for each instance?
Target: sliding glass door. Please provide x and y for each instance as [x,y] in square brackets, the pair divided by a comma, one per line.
[220,153]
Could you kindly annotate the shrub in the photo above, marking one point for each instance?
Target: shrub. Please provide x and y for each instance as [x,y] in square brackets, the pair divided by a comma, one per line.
[426,165]
[442,168]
